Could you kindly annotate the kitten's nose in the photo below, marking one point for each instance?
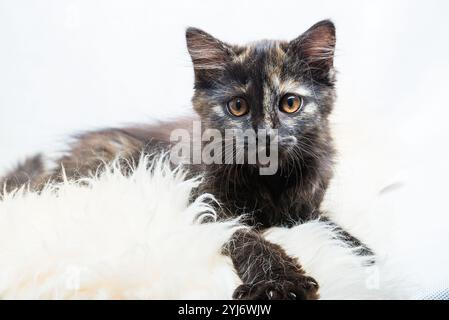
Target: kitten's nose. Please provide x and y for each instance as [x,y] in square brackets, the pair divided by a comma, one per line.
[267,131]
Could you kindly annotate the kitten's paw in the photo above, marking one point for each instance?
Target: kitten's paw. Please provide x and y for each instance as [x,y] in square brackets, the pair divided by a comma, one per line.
[299,288]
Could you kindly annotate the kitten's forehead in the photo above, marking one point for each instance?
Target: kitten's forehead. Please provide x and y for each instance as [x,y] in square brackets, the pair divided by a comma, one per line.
[263,51]
[267,62]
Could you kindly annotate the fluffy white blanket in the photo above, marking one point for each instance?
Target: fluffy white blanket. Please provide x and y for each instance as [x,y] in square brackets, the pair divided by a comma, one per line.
[137,237]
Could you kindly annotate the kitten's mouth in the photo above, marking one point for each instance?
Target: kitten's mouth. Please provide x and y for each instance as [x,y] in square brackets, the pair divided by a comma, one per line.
[287,142]
[277,149]
[281,142]
[286,145]
[275,144]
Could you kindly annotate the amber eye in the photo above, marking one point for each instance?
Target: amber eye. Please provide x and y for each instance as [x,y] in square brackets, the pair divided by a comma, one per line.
[238,107]
[290,103]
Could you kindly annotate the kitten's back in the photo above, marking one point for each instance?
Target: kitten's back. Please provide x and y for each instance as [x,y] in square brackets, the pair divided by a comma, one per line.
[23,173]
[90,151]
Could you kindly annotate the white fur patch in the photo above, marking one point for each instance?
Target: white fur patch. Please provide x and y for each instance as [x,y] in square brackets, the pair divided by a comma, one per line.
[136,237]
[218,110]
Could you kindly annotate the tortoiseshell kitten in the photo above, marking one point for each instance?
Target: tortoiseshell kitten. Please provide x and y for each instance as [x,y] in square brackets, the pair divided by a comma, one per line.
[287,86]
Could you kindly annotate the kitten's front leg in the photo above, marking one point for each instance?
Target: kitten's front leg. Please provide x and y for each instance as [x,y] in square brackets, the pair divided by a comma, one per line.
[266,270]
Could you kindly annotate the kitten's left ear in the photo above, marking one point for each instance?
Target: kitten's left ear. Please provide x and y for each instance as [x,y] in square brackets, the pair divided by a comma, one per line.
[315,49]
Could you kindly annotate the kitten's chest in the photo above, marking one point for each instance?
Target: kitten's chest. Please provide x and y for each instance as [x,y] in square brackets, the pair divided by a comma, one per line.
[266,200]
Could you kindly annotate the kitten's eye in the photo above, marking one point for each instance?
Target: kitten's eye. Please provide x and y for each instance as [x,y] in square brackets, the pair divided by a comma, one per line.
[238,107]
[290,103]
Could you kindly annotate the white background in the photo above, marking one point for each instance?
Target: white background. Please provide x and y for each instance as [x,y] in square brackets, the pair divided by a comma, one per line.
[69,66]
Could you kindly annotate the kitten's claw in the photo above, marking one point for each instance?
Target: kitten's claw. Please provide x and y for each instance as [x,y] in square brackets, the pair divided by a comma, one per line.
[300,288]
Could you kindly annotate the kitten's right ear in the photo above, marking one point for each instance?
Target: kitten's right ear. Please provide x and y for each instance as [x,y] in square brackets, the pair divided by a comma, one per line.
[209,55]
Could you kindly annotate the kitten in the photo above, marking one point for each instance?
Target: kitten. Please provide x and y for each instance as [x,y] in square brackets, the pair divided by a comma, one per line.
[263,76]
[275,85]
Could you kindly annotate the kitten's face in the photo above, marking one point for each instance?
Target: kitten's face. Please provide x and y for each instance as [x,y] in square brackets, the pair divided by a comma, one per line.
[288,86]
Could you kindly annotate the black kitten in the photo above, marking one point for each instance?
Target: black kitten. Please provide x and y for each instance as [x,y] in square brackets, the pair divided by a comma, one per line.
[278,86]
[271,85]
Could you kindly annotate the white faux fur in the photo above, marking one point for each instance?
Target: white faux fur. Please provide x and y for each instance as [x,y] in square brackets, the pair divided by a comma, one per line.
[137,237]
